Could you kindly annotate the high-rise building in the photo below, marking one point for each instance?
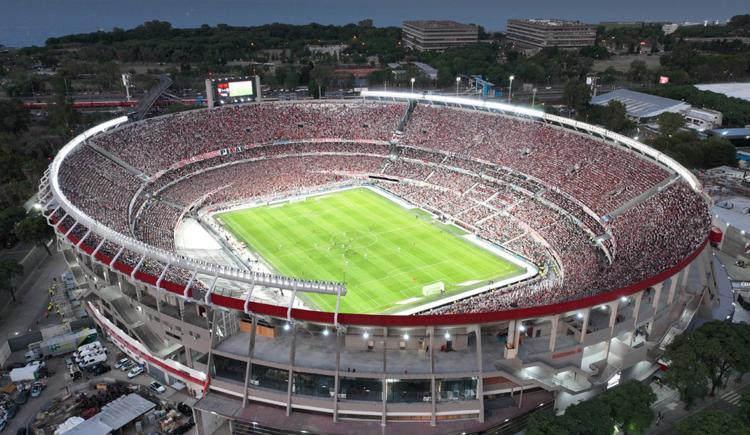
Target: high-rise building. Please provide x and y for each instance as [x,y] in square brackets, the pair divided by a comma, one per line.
[438,35]
[550,33]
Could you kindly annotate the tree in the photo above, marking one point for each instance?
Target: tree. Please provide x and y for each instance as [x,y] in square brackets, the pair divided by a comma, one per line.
[34,229]
[590,417]
[544,423]
[670,122]
[320,77]
[638,71]
[613,117]
[14,118]
[9,269]
[9,217]
[576,95]
[712,423]
[630,405]
[707,356]
[291,79]
[745,408]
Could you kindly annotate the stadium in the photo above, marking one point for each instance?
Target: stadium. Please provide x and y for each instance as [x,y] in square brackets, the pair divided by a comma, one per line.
[355,266]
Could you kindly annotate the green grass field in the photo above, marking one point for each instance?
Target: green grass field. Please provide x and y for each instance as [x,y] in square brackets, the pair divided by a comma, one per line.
[383,252]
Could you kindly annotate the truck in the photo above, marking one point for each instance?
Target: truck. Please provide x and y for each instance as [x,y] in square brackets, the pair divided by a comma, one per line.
[25,374]
[60,344]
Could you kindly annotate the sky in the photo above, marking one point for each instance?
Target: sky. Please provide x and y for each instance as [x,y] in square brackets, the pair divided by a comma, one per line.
[27,22]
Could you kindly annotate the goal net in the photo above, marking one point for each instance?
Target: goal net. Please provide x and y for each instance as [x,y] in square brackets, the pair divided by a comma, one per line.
[433,289]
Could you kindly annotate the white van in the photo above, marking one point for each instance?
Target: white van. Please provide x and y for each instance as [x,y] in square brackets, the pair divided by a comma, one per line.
[94,359]
[85,347]
[91,353]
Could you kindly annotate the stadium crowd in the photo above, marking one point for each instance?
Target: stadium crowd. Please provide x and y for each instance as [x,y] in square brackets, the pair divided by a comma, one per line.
[492,174]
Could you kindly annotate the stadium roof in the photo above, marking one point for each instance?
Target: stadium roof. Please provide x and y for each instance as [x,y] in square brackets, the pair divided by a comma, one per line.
[736,90]
[640,105]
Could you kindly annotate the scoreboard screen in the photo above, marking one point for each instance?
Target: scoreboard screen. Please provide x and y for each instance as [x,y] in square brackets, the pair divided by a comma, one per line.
[235,89]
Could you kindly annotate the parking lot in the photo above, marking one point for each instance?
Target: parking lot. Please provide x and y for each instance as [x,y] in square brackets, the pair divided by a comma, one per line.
[60,381]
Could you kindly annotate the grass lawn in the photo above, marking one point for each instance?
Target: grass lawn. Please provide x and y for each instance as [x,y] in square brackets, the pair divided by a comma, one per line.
[384,253]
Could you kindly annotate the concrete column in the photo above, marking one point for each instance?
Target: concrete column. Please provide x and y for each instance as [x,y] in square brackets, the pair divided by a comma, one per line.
[672,287]
[431,345]
[248,367]
[189,357]
[613,307]
[433,408]
[585,324]
[291,370]
[685,275]
[210,359]
[553,332]
[385,400]
[702,271]
[385,350]
[337,377]
[638,297]
[480,378]
[511,345]
[657,296]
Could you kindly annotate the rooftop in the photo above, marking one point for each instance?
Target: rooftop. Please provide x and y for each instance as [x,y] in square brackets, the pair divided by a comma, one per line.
[640,105]
[736,90]
[550,22]
[438,24]
[114,416]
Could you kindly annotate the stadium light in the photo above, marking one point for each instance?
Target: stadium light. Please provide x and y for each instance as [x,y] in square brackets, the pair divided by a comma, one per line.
[406,335]
[522,327]
[286,326]
[624,299]
[510,88]
[447,335]
[458,81]
[325,332]
[366,335]
[579,315]
[412,80]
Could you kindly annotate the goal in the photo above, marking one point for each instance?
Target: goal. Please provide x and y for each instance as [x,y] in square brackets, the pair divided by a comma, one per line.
[435,288]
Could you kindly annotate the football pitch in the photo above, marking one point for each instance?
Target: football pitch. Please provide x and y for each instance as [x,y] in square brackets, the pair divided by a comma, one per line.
[383,252]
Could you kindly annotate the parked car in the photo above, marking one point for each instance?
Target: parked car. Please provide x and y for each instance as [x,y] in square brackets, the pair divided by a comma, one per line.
[100,369]
[135,371]
[36,389]
[157,387]
[121,362]
[127,366]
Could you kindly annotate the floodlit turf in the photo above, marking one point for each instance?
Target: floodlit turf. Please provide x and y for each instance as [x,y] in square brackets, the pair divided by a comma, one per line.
[383,252]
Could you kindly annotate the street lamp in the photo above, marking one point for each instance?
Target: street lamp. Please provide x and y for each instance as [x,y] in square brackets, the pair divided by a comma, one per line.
[412,84]
[533,97]
[458,81]
[510,88]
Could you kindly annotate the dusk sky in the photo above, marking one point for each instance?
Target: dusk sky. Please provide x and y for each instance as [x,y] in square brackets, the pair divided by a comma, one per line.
[27,22]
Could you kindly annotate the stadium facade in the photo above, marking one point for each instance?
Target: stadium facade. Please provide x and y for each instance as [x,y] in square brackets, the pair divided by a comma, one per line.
[256,365]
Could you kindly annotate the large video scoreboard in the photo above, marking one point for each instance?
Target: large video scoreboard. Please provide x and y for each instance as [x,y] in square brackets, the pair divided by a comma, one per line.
[232,90]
